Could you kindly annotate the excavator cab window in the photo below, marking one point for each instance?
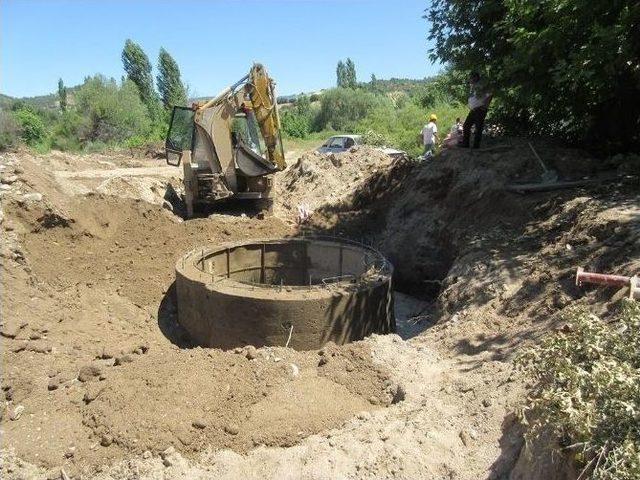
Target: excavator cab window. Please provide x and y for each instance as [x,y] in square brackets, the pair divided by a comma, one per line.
[245,128]
[180,134]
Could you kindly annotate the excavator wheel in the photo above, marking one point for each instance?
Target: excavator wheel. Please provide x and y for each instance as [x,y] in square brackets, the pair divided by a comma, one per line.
[190,183]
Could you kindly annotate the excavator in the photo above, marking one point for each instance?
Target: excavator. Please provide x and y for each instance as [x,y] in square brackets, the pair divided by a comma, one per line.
[229,146]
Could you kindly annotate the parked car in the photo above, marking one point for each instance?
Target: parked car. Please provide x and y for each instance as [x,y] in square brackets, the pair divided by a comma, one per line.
[339,143]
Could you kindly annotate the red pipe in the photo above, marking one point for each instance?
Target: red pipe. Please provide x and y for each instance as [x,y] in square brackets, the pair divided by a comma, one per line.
[601,278]
[604,279]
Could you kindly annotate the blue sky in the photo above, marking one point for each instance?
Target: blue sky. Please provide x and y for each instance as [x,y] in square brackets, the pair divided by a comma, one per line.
[213,42]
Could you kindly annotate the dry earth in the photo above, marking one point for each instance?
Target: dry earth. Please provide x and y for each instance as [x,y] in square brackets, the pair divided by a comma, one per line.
[315,180]
[100,381]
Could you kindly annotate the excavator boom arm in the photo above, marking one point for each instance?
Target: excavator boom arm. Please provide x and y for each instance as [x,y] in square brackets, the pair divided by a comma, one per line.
[263,98]
[264,105]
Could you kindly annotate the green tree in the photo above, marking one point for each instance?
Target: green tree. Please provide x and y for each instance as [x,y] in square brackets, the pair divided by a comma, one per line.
[342,108]
[33,130]
[67,133]
[296,121]
[569,68]
[172,91]
[138,68]
[350,73]
[346,74]
[303,105]
[294,124]
[62,95]
[341,81]
[115,113]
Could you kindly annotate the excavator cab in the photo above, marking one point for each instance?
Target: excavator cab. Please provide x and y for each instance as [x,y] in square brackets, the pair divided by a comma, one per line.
[229,146]
[180,134]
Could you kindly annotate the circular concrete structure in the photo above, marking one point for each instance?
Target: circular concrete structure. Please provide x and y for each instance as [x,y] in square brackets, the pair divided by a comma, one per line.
[302,292]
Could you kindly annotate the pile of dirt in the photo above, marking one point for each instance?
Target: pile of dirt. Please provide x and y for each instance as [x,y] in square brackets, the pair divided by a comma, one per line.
[146,189]
[500,265]
[319,179]
[117,175]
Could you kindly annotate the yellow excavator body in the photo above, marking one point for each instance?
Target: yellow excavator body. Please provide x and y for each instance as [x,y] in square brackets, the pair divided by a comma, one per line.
[230,146]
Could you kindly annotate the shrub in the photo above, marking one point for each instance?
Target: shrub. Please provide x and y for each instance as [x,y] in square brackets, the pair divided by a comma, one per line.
[9,130]
[95,147]
[342,108]
[295,124]
[296,121]
[158,129]
[303,105]
[401,126]
[588,391]
[32,127]
[374,138]
[114,112]
[135,141]
[68,131]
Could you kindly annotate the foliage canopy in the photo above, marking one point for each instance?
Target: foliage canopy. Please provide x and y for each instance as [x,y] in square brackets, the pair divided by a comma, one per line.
[114,112]
[341,108]
[570,68]
[32,127]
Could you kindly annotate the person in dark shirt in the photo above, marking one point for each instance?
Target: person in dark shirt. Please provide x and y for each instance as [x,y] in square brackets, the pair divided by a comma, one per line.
[479,100]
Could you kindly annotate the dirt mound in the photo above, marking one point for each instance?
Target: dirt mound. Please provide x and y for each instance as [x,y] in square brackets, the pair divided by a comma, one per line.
[145,189]
[244,399]
[319,179]
[424,215]
[453,230]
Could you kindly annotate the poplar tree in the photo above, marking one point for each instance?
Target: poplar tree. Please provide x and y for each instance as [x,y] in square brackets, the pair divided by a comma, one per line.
[138,68]
[62,95]
[341,74]
[350,73]
[170,86]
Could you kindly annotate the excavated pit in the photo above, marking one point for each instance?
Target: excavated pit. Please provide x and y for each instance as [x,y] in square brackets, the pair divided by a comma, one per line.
[297,292]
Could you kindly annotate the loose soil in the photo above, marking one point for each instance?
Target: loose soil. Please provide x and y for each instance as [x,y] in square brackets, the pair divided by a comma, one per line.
[99,380]
[315,180]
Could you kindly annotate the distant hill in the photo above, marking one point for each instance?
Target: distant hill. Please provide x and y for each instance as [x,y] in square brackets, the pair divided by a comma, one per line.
[6,101]
[406,85]
[45,102]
